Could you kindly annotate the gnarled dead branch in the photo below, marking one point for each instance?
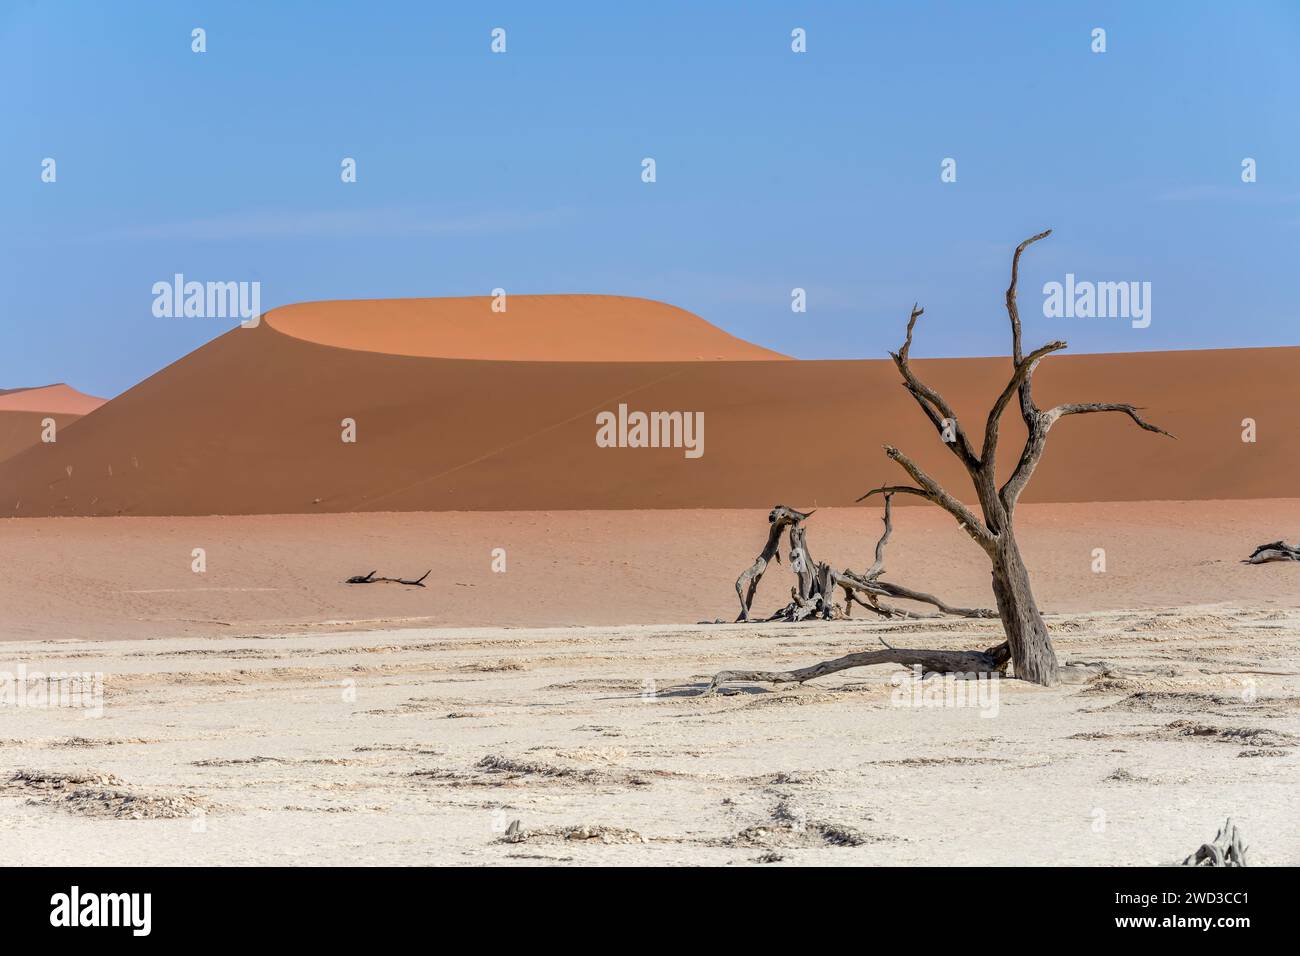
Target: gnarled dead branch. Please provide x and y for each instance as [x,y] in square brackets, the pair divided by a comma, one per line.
[1226,850]
[371,579]
[779,519]
[990,661]
[816,582]
[812,597]
[1274,551]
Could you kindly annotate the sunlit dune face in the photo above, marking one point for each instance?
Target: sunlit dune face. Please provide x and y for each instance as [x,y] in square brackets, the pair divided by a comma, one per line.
[522,328]
[56,399]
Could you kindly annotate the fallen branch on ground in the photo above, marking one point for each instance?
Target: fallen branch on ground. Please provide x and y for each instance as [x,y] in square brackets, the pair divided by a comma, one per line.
[1274,551]
[371,579]
[992,661]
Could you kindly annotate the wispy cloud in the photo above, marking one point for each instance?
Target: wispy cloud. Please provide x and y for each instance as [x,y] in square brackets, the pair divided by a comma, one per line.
[335,224]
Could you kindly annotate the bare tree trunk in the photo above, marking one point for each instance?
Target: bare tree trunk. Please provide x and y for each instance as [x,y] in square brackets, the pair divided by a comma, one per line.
[1032,655]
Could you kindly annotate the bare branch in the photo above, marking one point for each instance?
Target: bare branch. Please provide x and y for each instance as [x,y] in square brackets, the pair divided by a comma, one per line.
[934,405]
[879,564]
[936,493]
[851,598]
[850,581]
[1087,408]
[1013,311]
[1041,423]
[895,490]
[1024,370]
[898,591]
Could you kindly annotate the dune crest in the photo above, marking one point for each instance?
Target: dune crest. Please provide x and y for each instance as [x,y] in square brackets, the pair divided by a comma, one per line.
[533,328]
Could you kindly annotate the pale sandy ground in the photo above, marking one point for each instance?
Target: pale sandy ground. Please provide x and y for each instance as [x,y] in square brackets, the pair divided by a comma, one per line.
[261,753]
[235,736]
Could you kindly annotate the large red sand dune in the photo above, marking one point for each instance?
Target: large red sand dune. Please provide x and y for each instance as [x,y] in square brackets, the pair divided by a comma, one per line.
[460,408]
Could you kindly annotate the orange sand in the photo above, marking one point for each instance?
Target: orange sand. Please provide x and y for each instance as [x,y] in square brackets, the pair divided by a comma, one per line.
[132,577]
[48,398]
[250,423]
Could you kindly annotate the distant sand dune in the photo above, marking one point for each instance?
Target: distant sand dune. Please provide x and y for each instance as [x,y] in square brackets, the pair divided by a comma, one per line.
[48,398]
[23,411]
[504,419]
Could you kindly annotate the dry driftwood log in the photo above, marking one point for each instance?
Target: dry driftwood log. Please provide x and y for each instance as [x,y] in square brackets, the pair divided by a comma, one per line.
[1031,651]
[816,582]
[779,519]
[371,579]
[991,661]
[813,595]
[1226,850]
[1274,551]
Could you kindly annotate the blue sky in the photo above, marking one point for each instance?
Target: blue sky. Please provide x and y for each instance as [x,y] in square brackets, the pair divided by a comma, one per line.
[775,169]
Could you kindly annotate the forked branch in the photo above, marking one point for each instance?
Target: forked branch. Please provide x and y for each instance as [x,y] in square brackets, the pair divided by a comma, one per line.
[1024,370]
[1013,310]
[1040,423]
[940,496]
[934,405]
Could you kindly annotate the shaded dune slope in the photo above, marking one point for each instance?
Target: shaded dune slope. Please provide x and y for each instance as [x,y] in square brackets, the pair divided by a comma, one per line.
[250,423]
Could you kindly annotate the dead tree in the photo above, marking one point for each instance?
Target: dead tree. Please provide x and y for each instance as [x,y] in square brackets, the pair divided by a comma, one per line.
[1031,649]
[1028,645]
